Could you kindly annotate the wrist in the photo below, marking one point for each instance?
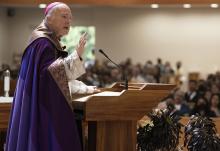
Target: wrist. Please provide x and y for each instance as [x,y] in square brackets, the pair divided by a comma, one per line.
[79,55]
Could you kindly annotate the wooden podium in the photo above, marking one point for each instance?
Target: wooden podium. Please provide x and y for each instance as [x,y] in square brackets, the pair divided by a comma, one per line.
[112,115]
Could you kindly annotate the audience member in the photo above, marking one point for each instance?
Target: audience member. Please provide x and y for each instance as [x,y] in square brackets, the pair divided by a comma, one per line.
[214,106]
[191,95]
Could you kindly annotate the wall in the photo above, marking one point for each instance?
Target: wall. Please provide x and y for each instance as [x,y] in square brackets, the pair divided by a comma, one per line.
[4,52]
[189,35]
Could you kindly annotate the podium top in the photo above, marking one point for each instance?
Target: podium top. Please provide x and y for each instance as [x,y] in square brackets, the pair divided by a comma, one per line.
[115,103]
[144,86]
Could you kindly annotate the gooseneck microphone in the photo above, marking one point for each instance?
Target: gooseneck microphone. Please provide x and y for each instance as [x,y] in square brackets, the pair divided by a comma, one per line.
[123,72]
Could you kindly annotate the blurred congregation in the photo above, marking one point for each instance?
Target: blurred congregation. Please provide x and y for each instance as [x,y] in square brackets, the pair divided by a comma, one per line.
[199,96]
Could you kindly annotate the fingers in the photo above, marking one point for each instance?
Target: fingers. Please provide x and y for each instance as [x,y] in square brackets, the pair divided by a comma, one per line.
[81,44]
[84,35]
[83,38]
[96,89]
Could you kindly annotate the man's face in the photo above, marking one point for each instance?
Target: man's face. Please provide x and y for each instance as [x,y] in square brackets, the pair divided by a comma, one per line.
[192,86]
[215,100]
[60,20]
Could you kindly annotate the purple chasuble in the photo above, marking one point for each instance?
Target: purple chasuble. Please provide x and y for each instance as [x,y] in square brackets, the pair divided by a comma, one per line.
[41,118]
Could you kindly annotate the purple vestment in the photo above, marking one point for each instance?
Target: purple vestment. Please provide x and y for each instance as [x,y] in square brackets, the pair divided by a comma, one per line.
[41,118]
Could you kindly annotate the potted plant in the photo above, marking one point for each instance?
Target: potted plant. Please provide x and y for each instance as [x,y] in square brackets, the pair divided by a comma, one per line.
[160,133]
[201,135]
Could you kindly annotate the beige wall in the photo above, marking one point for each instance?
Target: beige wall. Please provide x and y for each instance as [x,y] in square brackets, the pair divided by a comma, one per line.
[4,52]
[189,35]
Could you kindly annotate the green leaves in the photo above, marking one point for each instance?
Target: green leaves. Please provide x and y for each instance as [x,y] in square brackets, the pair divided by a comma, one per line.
[161,133]
[201,135]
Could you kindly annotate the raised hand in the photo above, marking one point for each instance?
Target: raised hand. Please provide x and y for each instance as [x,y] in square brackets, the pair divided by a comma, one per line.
[81,44]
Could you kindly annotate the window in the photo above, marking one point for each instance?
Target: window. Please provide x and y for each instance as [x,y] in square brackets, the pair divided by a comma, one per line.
[71,40]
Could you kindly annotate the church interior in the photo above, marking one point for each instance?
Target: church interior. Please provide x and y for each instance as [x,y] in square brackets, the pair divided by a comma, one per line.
[162,58]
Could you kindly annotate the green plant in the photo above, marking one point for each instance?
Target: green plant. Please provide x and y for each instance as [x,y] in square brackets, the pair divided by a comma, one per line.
[201,135]
[161,133]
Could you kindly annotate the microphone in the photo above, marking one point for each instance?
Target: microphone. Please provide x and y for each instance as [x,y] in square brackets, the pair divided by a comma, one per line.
[123,72]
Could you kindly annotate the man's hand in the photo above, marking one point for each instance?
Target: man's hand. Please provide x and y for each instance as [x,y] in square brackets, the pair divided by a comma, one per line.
[81,44]
[96,90]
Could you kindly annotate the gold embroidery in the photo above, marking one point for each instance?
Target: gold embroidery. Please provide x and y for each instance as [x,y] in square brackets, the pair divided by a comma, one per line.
[57,70]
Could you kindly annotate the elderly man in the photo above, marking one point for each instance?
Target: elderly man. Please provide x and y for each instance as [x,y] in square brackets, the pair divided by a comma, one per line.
[42,117]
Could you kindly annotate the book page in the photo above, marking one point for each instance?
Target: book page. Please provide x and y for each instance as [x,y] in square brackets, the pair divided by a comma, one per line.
[104,93]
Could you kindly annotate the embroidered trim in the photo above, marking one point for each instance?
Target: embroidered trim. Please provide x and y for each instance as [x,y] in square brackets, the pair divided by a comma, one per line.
[57,70]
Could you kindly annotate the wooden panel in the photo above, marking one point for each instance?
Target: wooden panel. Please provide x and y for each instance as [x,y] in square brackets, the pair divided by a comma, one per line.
[4,115]
[108,2]
[116,136]
[131,105]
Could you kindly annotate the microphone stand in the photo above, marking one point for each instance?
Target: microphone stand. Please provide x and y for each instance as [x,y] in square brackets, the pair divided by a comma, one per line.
[124,75]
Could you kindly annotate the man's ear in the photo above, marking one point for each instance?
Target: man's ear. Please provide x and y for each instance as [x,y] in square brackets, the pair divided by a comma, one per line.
[49,19]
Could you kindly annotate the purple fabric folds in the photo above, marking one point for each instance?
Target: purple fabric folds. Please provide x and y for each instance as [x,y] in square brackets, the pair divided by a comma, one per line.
[41,119]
